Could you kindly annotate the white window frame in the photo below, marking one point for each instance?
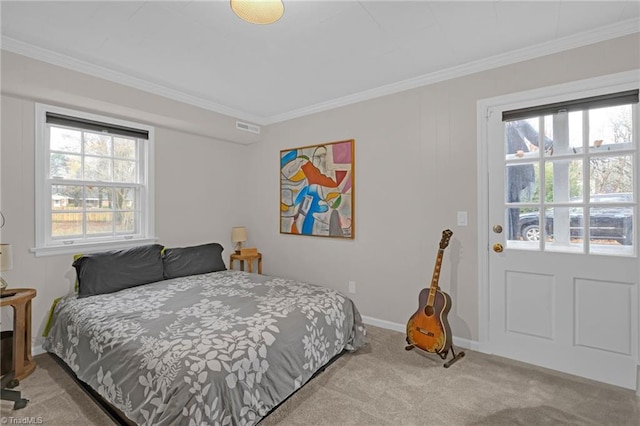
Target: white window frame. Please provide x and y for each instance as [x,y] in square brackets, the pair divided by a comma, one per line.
[45,245]
[540,158]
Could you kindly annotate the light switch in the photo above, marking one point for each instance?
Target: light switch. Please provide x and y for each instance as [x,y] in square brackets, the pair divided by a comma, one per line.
[462,218]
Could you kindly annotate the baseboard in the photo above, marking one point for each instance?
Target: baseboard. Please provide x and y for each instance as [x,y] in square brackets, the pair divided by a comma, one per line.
[384,324]
[461,342]
[402,328]
[37,350]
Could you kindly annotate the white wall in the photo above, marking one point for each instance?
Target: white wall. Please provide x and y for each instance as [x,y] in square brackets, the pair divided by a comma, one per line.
[199,187]
[416,166]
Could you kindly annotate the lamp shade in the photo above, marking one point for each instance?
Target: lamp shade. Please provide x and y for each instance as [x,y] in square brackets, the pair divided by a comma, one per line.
[6,257]
[259,12]
[238,234]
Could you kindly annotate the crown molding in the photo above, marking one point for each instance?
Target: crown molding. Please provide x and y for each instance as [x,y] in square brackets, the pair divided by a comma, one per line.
[565,43]
[25,49]
[620,29]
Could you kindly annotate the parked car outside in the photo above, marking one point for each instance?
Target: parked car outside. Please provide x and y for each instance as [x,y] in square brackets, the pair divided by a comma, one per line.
[607,223]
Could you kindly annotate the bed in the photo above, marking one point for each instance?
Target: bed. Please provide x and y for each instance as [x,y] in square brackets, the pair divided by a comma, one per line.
[215,347]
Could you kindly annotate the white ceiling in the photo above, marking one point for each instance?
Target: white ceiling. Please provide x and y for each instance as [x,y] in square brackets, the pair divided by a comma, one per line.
[321,54]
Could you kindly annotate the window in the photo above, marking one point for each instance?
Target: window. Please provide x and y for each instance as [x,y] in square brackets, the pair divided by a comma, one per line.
[570,173]
[94,182]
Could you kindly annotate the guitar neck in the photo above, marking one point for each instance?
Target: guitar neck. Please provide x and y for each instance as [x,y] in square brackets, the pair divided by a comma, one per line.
[435,278]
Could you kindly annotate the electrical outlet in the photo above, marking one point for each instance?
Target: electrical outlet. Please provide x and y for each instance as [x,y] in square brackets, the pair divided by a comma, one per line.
[352,287]
[462,218]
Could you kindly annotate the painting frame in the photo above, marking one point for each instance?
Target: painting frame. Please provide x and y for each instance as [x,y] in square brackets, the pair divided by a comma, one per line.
[317,190]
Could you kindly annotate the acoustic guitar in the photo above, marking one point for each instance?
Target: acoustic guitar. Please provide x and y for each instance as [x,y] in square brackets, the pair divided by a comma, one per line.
[428,328]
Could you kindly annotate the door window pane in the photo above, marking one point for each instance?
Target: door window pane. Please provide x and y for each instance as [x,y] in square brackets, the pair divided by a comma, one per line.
[523,183]
[610,175]
[565,229]
[527,223]
[610,225]
[523,138]
[563,181]
[610,128]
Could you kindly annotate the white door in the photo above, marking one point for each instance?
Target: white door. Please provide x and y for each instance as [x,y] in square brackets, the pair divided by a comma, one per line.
[556,298]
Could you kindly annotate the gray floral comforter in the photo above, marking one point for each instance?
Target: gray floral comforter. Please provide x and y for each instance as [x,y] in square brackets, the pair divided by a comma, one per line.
[220,348]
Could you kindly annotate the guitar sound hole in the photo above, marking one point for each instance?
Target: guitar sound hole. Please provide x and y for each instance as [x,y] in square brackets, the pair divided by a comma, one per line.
[428,310]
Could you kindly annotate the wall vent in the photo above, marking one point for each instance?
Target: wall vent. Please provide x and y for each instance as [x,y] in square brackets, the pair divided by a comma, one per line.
[248,127]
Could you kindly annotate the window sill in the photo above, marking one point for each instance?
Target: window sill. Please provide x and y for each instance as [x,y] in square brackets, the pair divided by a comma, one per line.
[83,248]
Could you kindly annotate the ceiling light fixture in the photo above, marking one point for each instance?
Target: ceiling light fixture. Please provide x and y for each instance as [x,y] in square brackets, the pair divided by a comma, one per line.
[259,12]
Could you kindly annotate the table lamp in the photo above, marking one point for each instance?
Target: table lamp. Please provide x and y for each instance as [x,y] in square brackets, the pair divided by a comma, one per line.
[6,262]
[238,236]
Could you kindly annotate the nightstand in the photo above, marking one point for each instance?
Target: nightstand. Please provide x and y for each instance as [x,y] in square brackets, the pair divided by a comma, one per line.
[20,300]
[250,258]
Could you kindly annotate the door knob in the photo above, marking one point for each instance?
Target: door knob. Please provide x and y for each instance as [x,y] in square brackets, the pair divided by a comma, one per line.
[497,247]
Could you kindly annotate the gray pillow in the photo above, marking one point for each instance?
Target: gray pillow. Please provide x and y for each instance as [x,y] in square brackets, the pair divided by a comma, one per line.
[183,261]
[111,271]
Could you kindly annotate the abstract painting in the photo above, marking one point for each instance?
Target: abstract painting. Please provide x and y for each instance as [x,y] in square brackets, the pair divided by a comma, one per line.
[317,190]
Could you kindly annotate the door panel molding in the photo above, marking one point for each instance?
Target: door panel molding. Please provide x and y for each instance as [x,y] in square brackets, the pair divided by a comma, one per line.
[607,328]
[529,304]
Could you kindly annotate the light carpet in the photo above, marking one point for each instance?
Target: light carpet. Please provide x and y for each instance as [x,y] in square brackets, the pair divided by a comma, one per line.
[382,384]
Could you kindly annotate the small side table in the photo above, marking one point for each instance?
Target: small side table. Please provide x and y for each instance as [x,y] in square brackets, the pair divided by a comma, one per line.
[20,300]
[250,258]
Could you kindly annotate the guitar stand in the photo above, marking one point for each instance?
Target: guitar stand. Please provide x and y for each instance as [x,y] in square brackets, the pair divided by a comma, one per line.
[442,355]
[8,382]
